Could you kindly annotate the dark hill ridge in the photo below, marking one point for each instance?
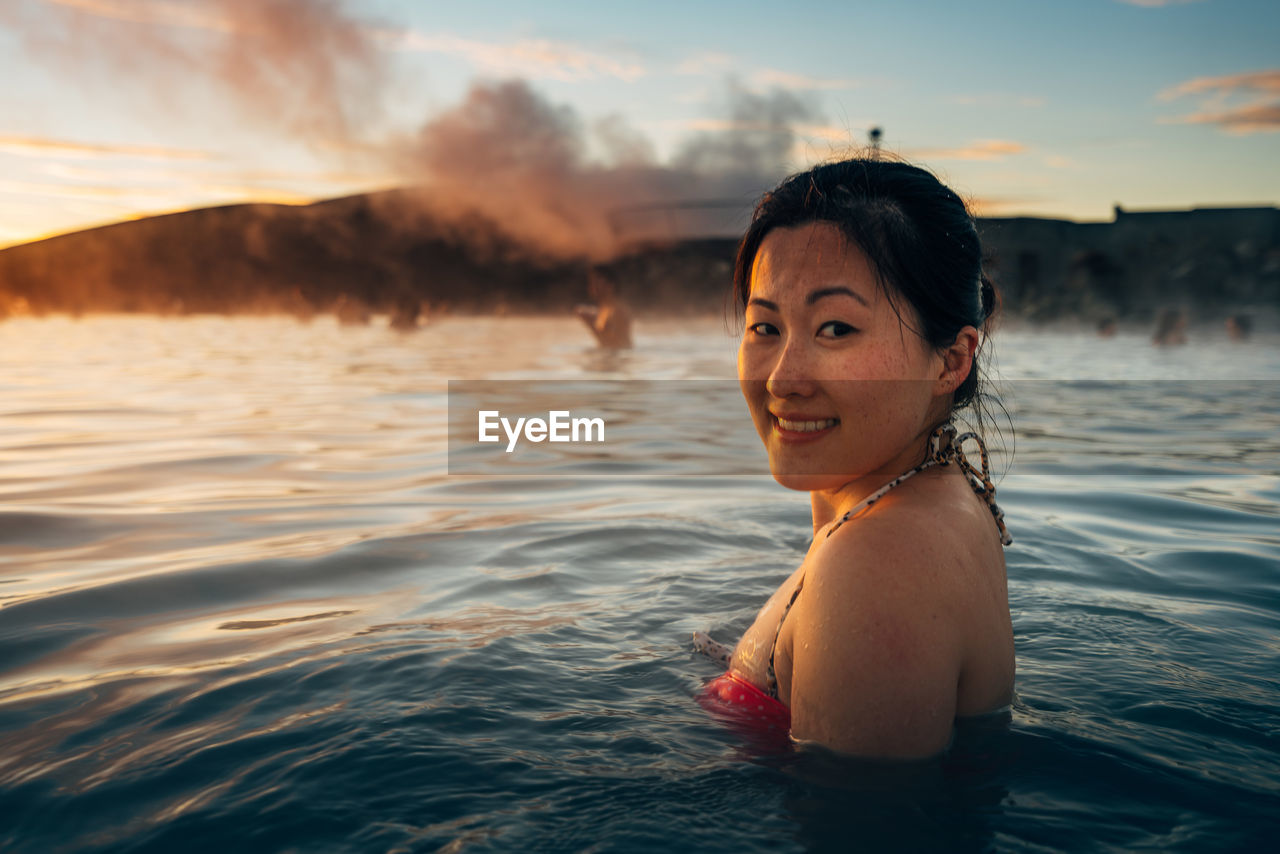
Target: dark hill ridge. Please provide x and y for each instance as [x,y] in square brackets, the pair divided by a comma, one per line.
[380,250]
[374,248]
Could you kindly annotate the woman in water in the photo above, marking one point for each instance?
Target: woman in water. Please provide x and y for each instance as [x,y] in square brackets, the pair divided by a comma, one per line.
[865,308]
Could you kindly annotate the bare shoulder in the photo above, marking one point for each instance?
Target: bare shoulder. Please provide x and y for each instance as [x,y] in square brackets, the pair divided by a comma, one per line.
[895,612]
[923,539]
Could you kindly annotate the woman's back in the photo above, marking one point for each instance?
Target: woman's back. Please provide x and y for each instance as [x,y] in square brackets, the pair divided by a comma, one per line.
[900,600]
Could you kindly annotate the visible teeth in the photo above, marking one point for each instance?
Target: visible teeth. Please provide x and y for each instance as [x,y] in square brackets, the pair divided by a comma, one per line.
[806,426]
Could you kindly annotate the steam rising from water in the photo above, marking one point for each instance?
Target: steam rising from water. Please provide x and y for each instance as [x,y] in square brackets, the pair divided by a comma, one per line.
[311,70]
[511,155]
[303,66]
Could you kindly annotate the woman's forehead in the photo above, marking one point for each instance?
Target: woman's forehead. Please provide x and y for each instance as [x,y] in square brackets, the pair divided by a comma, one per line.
[807,256]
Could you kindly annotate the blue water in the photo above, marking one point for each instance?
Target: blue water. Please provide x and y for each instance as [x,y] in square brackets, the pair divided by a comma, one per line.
[244,606]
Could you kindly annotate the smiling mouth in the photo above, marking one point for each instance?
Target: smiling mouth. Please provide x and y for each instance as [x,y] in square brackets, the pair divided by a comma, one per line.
[815,426]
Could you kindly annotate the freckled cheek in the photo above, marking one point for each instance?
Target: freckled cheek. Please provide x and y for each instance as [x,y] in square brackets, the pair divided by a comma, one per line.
[756,396]
[753,374]
[749,372]
[752,364]
[880,401]
[884,361]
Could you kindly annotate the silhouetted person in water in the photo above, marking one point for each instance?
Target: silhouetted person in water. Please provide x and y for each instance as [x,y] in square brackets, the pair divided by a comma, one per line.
[1239,326]
[609,319]
[1107,327]
[351,311]
[1171,329]
[406,313]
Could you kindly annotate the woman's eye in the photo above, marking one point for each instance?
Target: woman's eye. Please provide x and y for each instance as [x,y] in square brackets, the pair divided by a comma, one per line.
[762,329]
[835,329]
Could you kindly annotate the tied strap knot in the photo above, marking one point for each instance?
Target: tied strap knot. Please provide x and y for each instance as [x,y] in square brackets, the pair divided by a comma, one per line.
[946,445]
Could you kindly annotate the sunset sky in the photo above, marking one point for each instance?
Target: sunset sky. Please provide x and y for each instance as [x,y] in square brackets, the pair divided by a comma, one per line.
[115,109]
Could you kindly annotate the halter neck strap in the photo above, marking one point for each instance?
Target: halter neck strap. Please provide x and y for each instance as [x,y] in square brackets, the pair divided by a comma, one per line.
[946,447]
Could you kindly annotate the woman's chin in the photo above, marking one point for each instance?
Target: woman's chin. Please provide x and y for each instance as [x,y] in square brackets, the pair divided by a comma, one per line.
[809,482]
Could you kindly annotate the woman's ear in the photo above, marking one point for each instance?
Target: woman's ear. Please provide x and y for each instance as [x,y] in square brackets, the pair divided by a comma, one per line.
[957,360]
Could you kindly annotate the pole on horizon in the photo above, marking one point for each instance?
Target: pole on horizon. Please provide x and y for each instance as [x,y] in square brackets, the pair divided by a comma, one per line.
[874,136]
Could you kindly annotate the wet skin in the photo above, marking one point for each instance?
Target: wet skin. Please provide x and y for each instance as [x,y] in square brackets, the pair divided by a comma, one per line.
[903,623]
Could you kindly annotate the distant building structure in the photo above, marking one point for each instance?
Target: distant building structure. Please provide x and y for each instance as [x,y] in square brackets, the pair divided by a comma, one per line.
[1203,258]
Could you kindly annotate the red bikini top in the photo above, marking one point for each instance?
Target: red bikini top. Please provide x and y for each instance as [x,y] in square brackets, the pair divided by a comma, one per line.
[746,708]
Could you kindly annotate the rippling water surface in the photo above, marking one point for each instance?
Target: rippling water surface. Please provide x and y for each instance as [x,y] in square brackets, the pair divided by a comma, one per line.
[245,606]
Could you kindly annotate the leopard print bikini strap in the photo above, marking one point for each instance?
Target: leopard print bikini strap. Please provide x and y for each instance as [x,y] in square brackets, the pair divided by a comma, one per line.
[979,479]
[944,449]
[770,674]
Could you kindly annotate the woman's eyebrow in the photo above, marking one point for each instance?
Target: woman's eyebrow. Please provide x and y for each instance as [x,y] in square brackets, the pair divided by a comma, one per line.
[814,296]
[763,303]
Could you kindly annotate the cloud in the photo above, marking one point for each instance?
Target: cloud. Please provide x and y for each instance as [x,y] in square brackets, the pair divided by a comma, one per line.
[151,12]
[826,133]
[286,183]
[767,78]
[987,150]
[1249,81]
[705,63]
[241,193]
[761,80]
[44,147]
[535,58]
[1241,120]
[144,200]
[697,95]
[81,191]
[539,58]
[1238,103]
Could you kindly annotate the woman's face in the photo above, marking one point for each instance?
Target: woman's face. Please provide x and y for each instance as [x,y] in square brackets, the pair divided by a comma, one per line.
[838,386]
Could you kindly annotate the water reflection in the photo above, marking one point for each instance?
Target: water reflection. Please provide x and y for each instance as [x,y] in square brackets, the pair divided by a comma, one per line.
[239,589]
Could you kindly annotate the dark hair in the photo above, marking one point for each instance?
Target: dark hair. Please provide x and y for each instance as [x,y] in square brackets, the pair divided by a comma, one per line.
[918,234]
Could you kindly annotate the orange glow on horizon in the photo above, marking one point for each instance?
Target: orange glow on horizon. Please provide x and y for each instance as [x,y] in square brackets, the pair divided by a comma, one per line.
[10,237]
[43,147]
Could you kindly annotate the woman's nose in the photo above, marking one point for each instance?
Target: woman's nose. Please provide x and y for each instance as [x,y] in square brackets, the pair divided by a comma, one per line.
[792,374]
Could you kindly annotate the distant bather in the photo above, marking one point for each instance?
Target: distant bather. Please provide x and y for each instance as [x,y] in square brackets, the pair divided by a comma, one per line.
[1171,329]
[609,319]
[1239,327]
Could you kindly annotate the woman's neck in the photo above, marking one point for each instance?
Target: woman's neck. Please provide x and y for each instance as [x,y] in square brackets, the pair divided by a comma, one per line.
[830,504]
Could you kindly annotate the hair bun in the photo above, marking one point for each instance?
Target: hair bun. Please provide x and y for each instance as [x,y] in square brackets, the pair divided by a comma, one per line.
[988,295]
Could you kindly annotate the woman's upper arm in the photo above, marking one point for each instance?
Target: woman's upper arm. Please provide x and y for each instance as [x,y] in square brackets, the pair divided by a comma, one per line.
[876,654]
